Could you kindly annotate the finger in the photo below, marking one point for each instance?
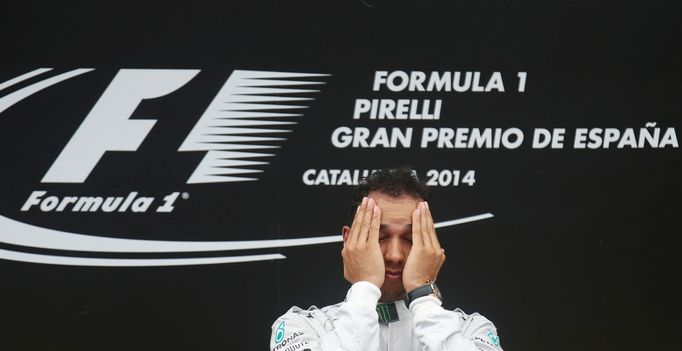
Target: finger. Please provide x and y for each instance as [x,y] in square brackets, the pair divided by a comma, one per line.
[425,225]
[432,228]
[417,239]
[357,222]
[352,236]
[375,226]
[366,221]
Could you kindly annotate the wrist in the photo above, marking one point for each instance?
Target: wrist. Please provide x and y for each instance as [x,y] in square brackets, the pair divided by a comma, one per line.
[378,282]
[413,285]
[430,289]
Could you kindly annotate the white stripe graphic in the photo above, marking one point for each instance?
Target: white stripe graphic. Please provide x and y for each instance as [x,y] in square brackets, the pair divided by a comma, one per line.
[463,220]
[245,104]
[37,237]
[11,99]
[23,77]
[22,234]
[129,262]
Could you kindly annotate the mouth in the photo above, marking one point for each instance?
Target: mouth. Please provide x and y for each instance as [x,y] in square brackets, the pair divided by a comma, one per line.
[394,274]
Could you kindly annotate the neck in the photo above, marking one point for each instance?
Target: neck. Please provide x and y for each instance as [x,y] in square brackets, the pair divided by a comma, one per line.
[391,297]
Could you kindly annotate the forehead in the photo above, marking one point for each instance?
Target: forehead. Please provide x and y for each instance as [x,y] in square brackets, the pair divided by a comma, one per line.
[395,210]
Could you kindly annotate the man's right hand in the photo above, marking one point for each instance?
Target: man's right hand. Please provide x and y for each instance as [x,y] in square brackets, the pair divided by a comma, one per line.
[362,258]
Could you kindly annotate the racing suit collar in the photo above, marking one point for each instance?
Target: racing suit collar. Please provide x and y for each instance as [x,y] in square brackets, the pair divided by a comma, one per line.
[390,312]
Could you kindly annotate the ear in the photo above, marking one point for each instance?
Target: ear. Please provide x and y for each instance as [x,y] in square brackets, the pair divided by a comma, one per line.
[345,231]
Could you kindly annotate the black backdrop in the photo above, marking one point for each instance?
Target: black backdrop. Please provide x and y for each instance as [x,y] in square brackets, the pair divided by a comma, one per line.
[582,251]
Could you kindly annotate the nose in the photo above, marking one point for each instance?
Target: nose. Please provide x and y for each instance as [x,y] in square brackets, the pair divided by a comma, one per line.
[393,252]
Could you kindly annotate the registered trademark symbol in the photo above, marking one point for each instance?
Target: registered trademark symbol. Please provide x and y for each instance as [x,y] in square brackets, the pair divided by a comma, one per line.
[185,195]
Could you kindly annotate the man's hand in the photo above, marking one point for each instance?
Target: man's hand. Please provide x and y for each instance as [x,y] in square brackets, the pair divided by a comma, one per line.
[426,256]
[362,258]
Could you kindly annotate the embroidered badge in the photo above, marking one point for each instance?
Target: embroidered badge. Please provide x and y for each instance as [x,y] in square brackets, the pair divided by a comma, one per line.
[494,338]
[279,335]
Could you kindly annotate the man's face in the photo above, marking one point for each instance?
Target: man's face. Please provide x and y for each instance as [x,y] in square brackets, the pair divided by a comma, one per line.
[395,239]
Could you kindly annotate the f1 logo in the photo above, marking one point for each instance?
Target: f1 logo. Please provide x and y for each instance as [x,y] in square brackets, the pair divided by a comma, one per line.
[110,114]
[249,104]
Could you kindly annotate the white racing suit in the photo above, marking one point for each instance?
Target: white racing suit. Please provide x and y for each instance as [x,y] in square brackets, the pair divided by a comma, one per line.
[355,325]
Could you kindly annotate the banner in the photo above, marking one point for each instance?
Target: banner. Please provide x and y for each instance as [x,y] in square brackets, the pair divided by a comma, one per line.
[177,177]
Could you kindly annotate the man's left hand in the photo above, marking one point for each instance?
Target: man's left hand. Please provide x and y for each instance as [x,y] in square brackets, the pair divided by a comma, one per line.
[426,256]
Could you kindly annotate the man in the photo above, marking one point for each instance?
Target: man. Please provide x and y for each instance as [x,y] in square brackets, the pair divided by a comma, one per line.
[391,248]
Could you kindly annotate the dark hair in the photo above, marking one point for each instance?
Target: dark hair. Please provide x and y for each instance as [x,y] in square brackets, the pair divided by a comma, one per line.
[390,181]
